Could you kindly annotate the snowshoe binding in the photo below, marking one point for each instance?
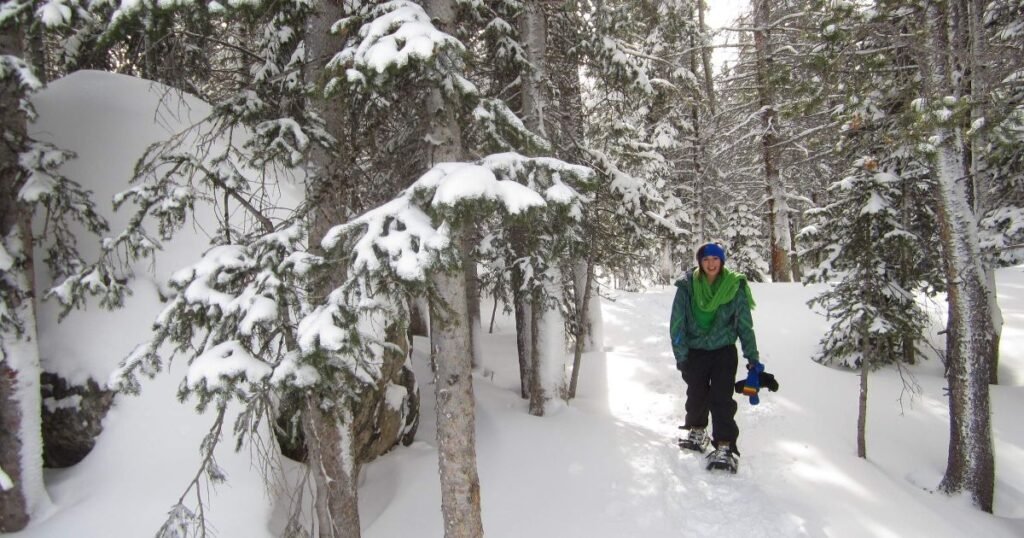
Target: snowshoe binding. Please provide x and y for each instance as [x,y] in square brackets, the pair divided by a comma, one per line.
[697,440]
[723,459]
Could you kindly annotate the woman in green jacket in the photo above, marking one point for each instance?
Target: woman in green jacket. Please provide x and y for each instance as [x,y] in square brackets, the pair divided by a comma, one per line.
[711,310]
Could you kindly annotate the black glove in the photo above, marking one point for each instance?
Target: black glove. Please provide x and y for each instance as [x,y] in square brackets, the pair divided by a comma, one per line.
[766,381]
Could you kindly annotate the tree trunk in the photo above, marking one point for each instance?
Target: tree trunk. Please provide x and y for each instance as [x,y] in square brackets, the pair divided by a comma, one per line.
[472,291]
[582,292]
[329,443]
[450,339]
[21,453]
[524,315]
[456,415]
[333,465]
[862,405]
[778,206]
[547,360]
[705,56]
[533,33]
[971,462]
[979,88]
[538,397]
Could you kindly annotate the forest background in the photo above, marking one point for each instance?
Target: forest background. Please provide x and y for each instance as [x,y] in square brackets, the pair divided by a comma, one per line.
[534,152]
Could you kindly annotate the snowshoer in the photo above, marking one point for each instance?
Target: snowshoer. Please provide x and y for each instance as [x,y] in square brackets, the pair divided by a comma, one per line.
[710,311]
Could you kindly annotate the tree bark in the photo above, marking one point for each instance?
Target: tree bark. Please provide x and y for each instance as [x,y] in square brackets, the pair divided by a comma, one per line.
[450,339]
[582,291]
[456,414]
[705,56]
[979,87]
[469,236]
[778,206]
[333,465]
[862,402]
[329,442]
[971,462]
[20,402]
[524,315]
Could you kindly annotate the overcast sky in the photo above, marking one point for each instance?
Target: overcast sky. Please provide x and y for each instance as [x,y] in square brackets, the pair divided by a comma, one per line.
[722,13]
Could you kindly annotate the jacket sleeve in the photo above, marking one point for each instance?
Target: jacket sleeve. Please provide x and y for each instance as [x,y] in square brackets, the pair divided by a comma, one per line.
[745,326]
[676,326]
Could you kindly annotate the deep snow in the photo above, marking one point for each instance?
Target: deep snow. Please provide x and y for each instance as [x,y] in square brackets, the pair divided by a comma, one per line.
[605,465]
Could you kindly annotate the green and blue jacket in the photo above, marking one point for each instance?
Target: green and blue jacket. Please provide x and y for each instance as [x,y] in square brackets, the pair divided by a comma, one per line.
[732,320]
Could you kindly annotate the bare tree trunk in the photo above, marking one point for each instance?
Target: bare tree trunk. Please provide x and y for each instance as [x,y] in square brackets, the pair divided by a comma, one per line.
[582,292]
[862,407]
[971,462]
[456,415]
[524,315]
[794,259]
[333,465]
[472,291]
[538,397]
[21,451]
[778,206]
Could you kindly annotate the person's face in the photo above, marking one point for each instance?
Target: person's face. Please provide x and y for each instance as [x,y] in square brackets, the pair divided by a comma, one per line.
[711,265]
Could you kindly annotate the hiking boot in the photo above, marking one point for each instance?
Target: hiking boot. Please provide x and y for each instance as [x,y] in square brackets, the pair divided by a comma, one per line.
[697,440]
[723,459]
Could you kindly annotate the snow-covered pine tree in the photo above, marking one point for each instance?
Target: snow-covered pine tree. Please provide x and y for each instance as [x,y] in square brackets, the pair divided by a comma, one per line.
[866,250]
[885,166]
[741,233]
[872,310]
[774,113]
[1001,188]
[345,377]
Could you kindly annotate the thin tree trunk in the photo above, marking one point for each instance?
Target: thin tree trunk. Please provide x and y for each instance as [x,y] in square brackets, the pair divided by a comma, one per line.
[538,397]
[533,35]
[472,291]
[862,406]
[523,314]
[705,55]
[582,322]
[778,206]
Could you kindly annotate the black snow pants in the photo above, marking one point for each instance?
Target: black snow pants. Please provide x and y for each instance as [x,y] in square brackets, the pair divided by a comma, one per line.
[710,376]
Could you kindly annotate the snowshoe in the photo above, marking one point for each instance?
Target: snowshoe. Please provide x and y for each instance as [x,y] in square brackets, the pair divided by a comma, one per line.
[697,440]
[723,459]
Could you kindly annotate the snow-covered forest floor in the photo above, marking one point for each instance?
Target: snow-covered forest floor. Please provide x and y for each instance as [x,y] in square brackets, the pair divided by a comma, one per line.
[604,465]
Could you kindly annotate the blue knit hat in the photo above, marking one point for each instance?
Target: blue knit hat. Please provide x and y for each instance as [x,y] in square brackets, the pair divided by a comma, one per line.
[711,249]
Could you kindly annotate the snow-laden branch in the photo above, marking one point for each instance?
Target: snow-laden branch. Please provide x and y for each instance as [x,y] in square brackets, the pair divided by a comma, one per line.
[402,236]
[392,36]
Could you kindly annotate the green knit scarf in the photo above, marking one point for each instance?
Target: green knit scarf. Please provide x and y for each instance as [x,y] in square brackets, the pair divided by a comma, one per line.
[707,298]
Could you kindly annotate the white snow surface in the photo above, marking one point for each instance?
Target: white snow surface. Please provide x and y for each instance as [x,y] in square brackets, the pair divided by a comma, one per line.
[605,465]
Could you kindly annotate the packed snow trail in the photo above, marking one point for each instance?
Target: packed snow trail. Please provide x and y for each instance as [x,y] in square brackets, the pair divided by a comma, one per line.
[799,473]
